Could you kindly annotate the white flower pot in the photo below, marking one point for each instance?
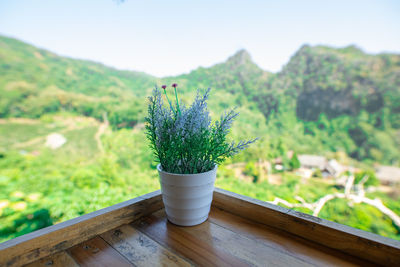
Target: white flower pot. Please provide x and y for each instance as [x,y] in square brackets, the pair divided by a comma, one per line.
[187,197]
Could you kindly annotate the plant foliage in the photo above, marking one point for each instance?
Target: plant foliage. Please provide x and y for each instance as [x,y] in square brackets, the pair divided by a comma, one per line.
[184,140]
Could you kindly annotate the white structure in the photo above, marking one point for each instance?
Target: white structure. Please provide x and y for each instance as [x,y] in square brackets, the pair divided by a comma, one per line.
[334,168]
[304,172]
[330,168]
[388,174]
[55,140]
[312,161]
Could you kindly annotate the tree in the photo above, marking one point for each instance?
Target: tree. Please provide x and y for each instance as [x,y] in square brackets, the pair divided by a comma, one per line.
[294,162]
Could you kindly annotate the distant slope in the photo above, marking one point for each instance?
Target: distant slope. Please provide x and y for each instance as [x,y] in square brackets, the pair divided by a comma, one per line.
[34,82]
[41,69]
[239,74]
[342,81]
[324,99]
[346,98]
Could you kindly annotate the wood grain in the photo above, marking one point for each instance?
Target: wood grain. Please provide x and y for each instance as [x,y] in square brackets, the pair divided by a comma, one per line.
[365,245]
[60,259]
[97,253]
[56,238]
[282,241]
[248,250]
[140,249]
[184,243]
[240,231]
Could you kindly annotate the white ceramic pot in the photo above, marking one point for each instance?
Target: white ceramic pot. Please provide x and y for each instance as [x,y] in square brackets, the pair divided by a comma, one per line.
[187,197]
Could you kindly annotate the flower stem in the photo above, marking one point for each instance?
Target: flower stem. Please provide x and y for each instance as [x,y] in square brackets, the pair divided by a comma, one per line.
[170,104]
[177,102]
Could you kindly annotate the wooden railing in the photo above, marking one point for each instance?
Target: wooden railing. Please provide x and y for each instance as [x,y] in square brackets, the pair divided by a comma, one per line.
[33,246]
[59,237]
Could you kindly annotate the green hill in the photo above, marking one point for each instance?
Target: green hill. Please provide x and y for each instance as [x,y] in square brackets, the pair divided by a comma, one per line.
[41,69]
[341,103]
[350,96]
[342,99]
[35,82]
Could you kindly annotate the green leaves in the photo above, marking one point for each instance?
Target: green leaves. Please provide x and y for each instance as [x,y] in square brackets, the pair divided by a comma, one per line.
[184,140]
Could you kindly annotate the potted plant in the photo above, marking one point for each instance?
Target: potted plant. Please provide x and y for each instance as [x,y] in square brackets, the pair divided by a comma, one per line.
[188,147]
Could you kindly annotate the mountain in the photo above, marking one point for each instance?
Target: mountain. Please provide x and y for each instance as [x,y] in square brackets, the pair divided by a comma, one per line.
[342,81]
[338,102]
[346,91]
[324,99]
[40,69]
[35,82]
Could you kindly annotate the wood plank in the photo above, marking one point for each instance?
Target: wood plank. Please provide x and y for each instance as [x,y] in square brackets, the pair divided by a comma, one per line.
[97,253]
[140,249]
[60,259]
[365,245]
[297,247]
[56,238]
[249,251]
[190,246]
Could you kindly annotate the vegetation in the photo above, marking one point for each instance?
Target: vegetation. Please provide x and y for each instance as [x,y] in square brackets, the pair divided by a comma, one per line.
[341,103]
[184,140]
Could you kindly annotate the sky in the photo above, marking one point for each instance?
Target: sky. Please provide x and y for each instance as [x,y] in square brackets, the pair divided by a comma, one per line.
[172,37]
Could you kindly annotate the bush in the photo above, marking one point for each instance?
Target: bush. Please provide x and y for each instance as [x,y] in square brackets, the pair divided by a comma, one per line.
[252,170]
[372,179]
[317,173]
[294,162]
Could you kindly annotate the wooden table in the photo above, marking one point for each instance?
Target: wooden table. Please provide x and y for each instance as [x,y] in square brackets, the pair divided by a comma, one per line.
[239,232]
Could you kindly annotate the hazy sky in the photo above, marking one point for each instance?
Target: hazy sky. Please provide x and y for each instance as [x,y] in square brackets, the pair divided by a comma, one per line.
[172,37]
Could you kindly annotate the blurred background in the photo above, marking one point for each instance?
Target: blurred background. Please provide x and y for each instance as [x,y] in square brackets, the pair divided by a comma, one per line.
[318,83]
